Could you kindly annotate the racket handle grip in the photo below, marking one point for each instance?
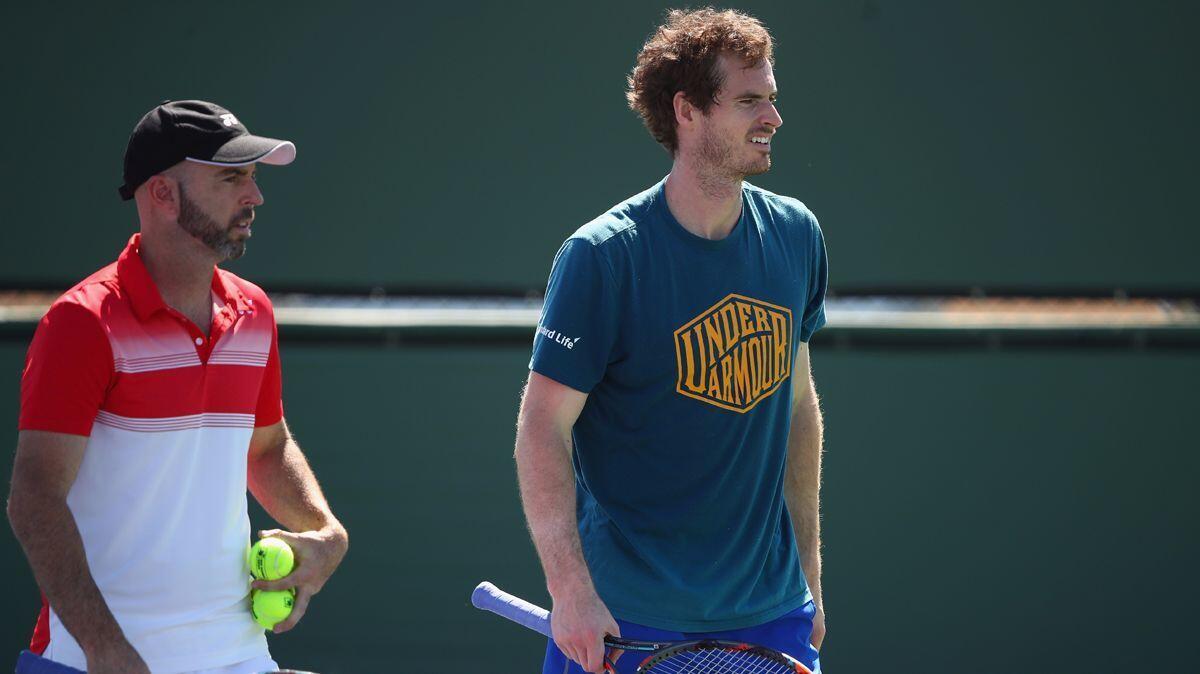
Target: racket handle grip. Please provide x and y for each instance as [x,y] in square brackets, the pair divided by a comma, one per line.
[491,598]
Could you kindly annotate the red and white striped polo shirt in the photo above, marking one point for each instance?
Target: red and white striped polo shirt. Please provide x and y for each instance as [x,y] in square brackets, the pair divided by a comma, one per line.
[160,498]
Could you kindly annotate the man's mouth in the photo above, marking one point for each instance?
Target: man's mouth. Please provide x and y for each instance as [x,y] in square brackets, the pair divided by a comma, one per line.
[243,224]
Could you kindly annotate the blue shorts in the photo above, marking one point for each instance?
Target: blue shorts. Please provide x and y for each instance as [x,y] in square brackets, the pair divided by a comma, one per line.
[790,634]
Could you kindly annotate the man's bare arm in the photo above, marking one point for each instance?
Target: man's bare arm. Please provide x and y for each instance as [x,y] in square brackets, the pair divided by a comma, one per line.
[44,469]
[543,455]
[283,483]
[802,483]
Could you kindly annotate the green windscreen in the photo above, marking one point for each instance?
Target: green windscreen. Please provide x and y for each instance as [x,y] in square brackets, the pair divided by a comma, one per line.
[454,145]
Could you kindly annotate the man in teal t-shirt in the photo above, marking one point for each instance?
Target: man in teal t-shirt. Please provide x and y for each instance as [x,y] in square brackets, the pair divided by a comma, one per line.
[668,446]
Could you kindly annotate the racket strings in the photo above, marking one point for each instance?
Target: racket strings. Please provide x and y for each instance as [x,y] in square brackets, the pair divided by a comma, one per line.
[720,661]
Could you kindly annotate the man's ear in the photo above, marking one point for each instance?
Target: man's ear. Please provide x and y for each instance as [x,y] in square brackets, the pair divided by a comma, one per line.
[163,193]
[685,112]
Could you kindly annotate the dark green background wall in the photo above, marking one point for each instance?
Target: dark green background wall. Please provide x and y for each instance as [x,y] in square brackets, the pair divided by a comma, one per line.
[456,144]
[984,511]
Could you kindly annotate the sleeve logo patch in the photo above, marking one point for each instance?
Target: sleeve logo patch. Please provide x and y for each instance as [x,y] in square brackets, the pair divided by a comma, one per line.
[735,354]
[557,337]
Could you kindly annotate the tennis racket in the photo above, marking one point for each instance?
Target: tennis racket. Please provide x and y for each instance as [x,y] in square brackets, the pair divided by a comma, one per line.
[706,656]
[29,663]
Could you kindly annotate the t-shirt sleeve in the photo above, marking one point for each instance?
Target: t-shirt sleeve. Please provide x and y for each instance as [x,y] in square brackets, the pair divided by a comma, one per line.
[269,409]
[818,283]
[68,370]
[578,327]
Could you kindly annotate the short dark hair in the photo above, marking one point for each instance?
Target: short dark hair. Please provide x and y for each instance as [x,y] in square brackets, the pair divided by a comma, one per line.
[682,55]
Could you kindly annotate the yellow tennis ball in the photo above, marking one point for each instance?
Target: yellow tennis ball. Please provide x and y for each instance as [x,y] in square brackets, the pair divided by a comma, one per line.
[271,559]
[271,606]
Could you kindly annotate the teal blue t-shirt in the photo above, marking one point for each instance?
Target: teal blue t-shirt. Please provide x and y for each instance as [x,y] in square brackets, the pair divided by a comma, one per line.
[685,348]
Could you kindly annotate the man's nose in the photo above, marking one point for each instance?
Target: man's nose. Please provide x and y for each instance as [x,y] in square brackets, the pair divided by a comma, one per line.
[772,116]
[254,197]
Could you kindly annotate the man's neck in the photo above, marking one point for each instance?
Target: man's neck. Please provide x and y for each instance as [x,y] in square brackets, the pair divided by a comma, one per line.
[181,271]
[706,205]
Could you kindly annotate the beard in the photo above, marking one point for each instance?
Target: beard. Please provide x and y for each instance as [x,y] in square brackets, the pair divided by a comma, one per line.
[717,154]
[206,230]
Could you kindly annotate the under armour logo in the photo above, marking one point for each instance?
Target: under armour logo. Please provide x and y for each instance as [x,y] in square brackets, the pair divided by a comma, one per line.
[229,119]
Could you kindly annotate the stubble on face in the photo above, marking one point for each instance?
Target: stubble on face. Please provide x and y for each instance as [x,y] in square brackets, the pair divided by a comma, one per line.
[205,229]
[718,165]
[718,153]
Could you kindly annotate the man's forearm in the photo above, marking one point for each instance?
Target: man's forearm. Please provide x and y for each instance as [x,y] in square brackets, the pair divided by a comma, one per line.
[802,487]
[547,484]
[284,484]
[47,532]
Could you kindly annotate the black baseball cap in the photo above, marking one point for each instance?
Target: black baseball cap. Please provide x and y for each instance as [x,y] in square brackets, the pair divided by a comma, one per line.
[197,131]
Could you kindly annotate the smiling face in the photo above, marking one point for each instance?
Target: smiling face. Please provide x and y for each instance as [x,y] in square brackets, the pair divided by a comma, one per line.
[733,139]
[216,206]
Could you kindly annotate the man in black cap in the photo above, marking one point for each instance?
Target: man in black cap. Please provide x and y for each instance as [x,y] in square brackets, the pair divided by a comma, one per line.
[150,402]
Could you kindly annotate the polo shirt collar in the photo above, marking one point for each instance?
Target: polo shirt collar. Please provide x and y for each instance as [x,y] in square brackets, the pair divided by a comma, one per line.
[227,291]
[143,294]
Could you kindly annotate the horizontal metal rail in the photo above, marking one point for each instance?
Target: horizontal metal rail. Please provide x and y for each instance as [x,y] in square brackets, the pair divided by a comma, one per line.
[880,319]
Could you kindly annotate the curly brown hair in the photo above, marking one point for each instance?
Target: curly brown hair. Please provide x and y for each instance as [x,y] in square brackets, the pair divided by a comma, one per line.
[682,55]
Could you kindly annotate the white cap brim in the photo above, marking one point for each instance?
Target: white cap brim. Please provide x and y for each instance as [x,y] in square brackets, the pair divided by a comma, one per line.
[247,149]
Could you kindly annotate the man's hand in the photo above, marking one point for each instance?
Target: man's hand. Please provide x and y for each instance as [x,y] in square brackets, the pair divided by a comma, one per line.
[818,633]
[318,554]
[580,624]
[119,658]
